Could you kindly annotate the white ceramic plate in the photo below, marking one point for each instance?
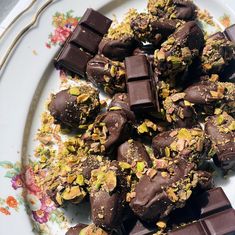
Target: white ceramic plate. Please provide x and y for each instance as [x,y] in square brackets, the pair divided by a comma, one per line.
[25,85]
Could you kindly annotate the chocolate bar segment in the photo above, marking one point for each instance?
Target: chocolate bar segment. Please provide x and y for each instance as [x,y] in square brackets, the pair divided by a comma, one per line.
[137,68]
[95,21]
[73,59]
[212,201]
[86,38]
[230,33]
[140,95]
[194,229]
[222,223]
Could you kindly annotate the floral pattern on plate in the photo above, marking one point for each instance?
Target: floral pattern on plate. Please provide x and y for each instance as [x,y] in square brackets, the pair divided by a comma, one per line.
[64,24]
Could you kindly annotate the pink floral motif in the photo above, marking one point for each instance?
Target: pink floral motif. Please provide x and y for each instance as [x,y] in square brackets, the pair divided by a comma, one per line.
[64,24]
[40,216]
[17,182]
[30,181]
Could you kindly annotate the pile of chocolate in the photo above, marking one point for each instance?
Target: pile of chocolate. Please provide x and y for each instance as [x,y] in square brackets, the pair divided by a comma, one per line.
[144,162]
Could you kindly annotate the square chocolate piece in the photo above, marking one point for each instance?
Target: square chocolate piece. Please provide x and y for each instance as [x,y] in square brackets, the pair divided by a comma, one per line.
[86,38]
[230,33]
[95,21]
[140,95]
[191,229]
[137,68]
[212,201]
[73,59]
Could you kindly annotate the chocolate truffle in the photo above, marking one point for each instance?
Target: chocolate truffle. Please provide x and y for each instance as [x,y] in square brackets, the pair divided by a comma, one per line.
[75,106]
[108,74]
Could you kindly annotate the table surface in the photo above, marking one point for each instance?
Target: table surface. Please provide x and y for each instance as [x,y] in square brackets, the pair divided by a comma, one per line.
[5,7]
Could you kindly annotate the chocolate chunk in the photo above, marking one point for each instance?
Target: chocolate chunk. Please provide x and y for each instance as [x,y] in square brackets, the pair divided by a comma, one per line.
[73,59]
[194,228]
[221,131]
[117,49]
[76,229]
[85,38]
[220,223]
[121,101]
[95,21]
[230,33]
[212,202]
[108,74]
[133,151]
[137,68]
[155,194]
[75,106]
[217,53]
[141,96]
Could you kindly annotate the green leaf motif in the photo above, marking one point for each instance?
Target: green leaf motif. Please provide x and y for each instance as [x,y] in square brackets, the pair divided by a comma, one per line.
[6,164]
[10,174]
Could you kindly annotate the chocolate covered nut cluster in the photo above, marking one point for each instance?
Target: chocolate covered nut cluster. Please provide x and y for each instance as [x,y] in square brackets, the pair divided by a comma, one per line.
[142,161]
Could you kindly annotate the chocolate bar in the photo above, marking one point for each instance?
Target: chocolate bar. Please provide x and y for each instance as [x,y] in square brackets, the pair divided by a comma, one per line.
[222,223]
[209,208]
[140,85]
[83,43]
[230,33]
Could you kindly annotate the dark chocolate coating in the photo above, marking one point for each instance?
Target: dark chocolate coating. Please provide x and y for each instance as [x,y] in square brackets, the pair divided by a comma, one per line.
[147,50]
[85,38]
[222,141]
[71,58]
[184,10]
[151,200]
[117,49]
[118,127]
[95,21]
[106,209]
[121,100]
[137,68]
[106,73]
[190,35]
[195,147]
[76,229]
[131,151]
[118,131]
[66,110]
[200,93]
